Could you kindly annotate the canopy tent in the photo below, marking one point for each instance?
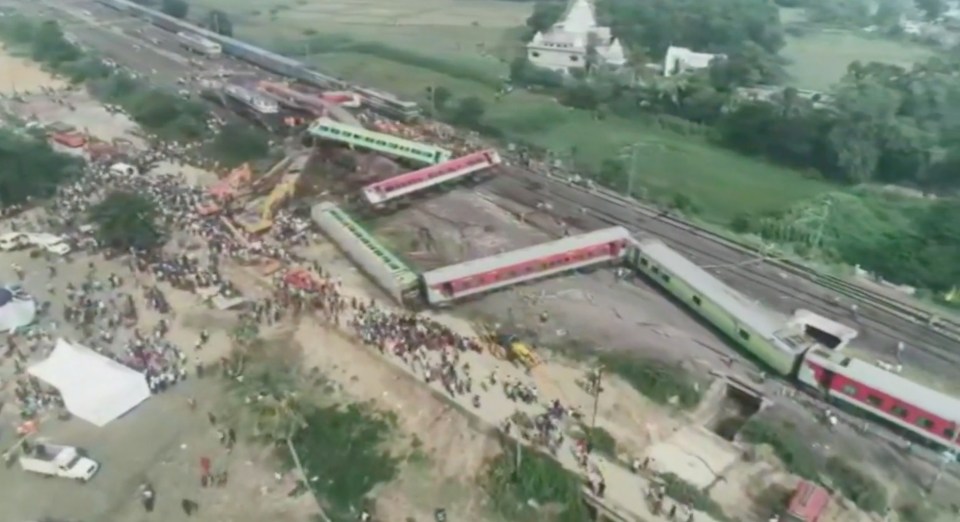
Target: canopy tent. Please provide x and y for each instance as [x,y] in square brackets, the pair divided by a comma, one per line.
[17,309]
[94,388]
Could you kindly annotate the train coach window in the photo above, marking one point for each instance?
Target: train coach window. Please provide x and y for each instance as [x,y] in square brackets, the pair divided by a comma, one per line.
[924,423]
[665,277]
[899,411]
[644,262]
[874,401]
[850,390]
[697,301]
[656,270]
[745,335]
[950,434]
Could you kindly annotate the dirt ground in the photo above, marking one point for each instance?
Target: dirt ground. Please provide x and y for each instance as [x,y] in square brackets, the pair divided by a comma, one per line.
[18,75]
[592,308]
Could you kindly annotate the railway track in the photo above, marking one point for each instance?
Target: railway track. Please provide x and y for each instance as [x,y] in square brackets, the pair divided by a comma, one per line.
[946,326]
[945,333]
[928,352]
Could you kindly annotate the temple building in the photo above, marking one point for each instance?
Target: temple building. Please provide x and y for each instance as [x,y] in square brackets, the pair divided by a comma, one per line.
[564,46]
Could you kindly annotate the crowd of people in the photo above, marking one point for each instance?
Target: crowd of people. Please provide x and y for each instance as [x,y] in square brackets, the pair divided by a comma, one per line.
[103,311]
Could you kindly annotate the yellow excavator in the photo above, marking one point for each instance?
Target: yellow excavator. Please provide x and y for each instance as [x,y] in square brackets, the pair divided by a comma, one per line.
[282,192]
[508,346]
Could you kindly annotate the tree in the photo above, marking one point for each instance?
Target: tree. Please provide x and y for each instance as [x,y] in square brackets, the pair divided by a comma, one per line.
[127,220]
[30,169]
[440,95]
[932,9]
[469,111]
[545,14]
[175,8]
[219,22]
[238,143]
[50,46]
[716,26]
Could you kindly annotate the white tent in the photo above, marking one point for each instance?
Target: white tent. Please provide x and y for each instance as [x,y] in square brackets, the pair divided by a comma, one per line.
[17,309]
[94,388]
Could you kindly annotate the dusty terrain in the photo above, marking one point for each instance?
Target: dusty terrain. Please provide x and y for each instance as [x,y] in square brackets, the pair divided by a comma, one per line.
[19,75]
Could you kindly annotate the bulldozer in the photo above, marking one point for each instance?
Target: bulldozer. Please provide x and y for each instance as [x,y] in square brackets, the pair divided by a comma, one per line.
[503,345]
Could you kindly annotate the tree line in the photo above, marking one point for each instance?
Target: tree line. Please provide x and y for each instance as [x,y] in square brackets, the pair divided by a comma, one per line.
[880,122]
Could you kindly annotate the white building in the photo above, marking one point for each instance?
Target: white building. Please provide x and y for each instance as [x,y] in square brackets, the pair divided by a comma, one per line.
[680,59]
[564,46]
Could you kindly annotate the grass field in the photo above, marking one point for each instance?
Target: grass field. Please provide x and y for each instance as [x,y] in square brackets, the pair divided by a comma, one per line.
[721,183]
[481,35]
[821,58]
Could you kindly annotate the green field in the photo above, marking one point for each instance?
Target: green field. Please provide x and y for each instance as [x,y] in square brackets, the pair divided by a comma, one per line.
[819,59]
[477,35]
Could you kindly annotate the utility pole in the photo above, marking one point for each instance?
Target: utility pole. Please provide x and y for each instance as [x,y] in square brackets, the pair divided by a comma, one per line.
[595,379]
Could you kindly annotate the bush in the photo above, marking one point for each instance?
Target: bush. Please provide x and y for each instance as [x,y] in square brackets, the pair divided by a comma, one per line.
[660,382]
[538,478]
[237,143]
[792,450]
[344,448]
[601,441]
[31,169]
[686,493]
[865,491]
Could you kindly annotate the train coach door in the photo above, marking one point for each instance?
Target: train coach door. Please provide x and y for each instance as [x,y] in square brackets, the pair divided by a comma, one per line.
[615,248]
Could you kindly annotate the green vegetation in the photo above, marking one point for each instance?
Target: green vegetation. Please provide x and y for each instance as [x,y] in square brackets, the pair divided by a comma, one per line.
[175,8]
[668,384]
[159,111]
[237,143]
[343,446]
[30,169]
[789,446]
[601,441]
[513,480]
[904,239]
[686,493]
[798,458]
[865,491]
[127,220]
[819,59]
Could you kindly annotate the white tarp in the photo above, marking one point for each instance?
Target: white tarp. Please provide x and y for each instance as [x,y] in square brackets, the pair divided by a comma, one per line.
[17,309]
[94,388]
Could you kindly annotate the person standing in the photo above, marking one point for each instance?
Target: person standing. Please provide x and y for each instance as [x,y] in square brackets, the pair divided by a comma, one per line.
[189,506]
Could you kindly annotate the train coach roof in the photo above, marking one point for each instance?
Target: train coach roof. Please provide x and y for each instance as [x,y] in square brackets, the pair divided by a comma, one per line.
[494,262]
[911,392]
[768,323]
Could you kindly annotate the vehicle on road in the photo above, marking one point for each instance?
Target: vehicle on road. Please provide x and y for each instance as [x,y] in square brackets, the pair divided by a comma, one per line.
[13,241]
[59,461]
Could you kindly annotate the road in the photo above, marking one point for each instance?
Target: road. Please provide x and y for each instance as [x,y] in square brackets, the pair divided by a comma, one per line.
[153,51]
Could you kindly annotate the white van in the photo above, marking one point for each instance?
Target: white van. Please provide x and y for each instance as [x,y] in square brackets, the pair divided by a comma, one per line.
[123,169]
[13,241]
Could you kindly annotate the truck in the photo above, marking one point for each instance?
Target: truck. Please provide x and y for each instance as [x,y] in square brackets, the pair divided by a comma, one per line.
[54,460]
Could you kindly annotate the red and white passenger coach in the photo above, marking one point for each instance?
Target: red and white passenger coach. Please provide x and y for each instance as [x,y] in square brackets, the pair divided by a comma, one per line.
[924,411]
[404,184]
[449,283]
